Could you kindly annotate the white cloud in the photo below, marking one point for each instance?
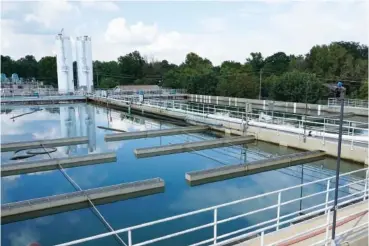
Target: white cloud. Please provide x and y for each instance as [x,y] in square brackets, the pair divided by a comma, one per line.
[23,236]
[213,24]
[101,5]
[171,40]
[8,7]
[52,133]
[11,178]
[317,23]
[292,27]
[138,34]
[50,12]
[17,44]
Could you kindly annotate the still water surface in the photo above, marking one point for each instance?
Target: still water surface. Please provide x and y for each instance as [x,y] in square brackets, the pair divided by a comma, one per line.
[178,197]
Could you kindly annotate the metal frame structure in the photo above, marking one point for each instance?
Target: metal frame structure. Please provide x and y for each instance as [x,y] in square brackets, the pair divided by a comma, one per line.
[281,220]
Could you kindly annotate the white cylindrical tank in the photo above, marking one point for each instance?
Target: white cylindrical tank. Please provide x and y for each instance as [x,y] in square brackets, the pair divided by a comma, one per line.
[84,63]
[64,61]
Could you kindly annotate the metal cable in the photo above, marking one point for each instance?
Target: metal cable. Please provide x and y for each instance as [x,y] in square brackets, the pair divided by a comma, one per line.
[77,187]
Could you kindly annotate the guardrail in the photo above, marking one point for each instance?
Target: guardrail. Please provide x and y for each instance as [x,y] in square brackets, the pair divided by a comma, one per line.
[325,128]
[39,93]
[280,220]
[144,91]
[351,103]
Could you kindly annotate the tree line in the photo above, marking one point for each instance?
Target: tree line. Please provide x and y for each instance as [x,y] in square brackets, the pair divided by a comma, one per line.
[298,78]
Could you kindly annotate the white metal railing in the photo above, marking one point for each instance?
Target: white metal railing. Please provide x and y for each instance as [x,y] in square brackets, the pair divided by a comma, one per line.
[325,128]
[39,92]
[352,103]
[159,91]
[280,220]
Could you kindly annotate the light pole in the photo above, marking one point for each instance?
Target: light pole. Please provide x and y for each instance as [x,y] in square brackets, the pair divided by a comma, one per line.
[306,88]
[260,73]
[340,95]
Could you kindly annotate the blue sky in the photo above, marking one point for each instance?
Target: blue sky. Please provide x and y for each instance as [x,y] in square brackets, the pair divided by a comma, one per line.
[169,30]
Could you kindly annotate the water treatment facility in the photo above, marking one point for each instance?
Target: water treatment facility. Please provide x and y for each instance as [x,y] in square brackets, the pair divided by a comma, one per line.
[142,166]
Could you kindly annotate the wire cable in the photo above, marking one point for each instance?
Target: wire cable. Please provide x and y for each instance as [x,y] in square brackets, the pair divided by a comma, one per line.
[93,207]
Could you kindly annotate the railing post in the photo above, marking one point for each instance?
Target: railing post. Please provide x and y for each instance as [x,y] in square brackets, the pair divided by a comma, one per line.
[352,138]
[327,196]
[262,238]
[366,184]
[278,209]
[327,228]
[215,224]
[129,238]
[324,132]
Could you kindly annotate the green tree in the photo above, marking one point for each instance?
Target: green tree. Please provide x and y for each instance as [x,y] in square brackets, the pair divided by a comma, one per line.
[131,65]
[196,75]
[363,92]
[236,80]
[8,66]
[27,67]
[256,61]
[47,70]
[296,87]
[277,64]
[283,76]
[107,82]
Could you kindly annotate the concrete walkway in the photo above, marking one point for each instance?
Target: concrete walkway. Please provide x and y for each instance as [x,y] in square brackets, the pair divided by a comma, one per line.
[319,234]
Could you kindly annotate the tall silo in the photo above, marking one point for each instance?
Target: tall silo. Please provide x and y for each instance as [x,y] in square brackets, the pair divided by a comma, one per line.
[84,63]
[64,61]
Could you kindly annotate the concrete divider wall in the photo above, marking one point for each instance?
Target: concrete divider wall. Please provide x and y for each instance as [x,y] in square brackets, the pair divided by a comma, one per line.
[191,146]
[39,204]
[12,168]
[232,171]
[45,143]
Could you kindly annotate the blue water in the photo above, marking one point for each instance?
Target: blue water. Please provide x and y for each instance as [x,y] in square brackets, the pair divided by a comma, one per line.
[178,197]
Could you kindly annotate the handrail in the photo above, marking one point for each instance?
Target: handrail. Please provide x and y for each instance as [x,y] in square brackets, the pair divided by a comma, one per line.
[317,227]
[277,224]
[352,103]
[356,132]
[169,105]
